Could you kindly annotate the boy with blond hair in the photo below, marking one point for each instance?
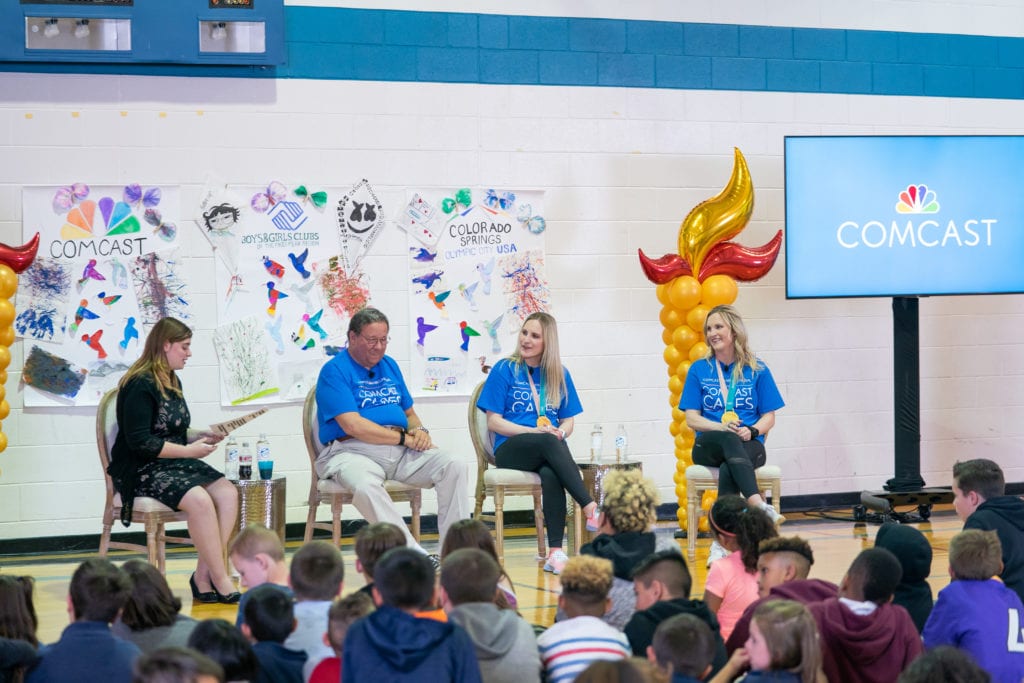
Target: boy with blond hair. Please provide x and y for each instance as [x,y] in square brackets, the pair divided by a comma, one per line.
[316,577]
[976,612]
[257,554]
[568,647]
[343,613]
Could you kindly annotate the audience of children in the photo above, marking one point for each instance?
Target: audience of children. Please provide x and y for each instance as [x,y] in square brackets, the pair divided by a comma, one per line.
[257,554]
[683,647]
[269,621]
[18,626]
[569,646]
[914,552]
[732,581]
[864,637]
[506,647]
[98,591]
[979,490]
[343,613]
[372,541]
[151,618]
[783,564]
[662,585]
[976,612]
[472,533]
[783,647]
[226,645]
[626,536]
[316,576]
[392,643]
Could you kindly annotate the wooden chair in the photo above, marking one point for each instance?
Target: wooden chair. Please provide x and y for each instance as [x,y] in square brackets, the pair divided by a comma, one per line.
[149,512]
[700,479]
[499,482]
[331,492]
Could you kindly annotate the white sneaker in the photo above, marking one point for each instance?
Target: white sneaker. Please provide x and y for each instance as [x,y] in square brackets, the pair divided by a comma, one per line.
[716,552]
[777,517]
[555,562]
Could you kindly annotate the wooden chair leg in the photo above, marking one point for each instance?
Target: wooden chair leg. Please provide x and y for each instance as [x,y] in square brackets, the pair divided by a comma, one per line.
[105,538]
[577,527]
[416,504]
[152,555]
[336,522]
[538,518]
[692,518]
[499,523]
[310,521]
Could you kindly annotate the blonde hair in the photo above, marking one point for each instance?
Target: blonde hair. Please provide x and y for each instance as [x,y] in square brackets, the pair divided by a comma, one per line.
[791,636]
[975,555]
[153,361]
[550,359]
[587,579]
[257,539]
[630,501]
[744,357]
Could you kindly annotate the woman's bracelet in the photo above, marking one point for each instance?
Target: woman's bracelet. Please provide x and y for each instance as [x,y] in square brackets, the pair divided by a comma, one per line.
[754,432]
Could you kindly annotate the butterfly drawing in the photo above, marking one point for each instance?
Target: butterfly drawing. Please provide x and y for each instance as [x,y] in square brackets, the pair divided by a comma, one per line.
[167,231]
[463,199]
[504,201]
[535,224]
[136,197]
[262,201]
[319,199]
[68,196]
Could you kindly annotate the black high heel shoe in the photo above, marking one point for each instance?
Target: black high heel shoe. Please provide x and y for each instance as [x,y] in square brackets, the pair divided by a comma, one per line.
[206,597]
[231,598]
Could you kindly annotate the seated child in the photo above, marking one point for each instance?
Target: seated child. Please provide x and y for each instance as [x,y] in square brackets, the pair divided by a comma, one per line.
[269,618]
[976,612]
[176,664]
[782,646]
[372,541]
[219,640]
[258,555]
[864,637]
[947,664]
[568,647]
[392,644]
[472,533]
[506,646]
[97,593]
[683,647]
[316,577]
[914,552]
[342,614]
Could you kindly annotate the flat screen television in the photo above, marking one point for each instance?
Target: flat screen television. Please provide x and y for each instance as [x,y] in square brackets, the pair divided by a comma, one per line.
[870,216]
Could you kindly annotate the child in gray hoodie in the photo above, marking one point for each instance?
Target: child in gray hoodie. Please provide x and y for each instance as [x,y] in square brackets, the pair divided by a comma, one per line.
[506,647]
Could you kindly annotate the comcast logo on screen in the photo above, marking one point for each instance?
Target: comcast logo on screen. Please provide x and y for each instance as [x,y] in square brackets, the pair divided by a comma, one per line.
[917,199]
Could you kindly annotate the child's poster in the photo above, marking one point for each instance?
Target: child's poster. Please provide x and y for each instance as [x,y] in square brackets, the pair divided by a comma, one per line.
[107,268]
[476,270]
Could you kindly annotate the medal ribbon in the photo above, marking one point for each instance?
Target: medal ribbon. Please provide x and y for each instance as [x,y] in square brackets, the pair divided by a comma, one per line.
[541,400]
[730,393]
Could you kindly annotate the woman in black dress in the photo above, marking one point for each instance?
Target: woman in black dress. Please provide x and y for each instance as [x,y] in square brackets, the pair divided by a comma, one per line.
[155,454]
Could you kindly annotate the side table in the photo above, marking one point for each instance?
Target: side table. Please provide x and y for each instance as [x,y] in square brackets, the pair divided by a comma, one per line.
[594,474]
[261,501]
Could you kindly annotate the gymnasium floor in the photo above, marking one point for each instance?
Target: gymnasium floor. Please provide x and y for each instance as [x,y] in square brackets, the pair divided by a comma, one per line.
[835,544]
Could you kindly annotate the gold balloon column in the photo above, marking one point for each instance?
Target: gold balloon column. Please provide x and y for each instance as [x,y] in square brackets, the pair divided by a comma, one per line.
[13,260]
[689,284]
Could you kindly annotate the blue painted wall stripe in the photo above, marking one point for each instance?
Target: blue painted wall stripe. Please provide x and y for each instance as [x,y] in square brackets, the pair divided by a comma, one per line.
[388,45]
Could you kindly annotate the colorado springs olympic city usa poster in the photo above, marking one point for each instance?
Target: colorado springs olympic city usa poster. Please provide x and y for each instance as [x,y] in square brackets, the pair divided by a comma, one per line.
[106,270]
[287,278]
[476,271]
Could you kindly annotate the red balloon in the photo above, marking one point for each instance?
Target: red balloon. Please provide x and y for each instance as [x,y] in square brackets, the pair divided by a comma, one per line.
[665,269]
[746,264]
[19,258]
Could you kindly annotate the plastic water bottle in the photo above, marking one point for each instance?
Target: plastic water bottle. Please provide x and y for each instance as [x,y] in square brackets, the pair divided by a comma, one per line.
[231,458]
[596,443]
[245,461]
[621,444]
[263,459]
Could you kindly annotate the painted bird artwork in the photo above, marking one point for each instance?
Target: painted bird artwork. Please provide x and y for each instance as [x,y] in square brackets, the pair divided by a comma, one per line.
[314,323]
[273,296]
[93,342]
[492,332]
[428,279]
[82,313]
[422,254]
[274,330]
[466,331]
[300,339]
[90,273]
[439,300]
[485,271]
[299,263]
[467,294]
[130,332]
[422,328]
[302,292]
[273,267]
[108,300]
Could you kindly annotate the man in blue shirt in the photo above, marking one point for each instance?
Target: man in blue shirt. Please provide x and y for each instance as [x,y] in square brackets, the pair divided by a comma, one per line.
[371,432]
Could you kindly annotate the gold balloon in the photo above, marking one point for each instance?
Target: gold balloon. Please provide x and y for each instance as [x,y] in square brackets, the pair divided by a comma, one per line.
[681,465]
[666,336]
[696,317]
[3,377]
[672,356]
[684,292]
[7,335]
[684,367]
[3,442]
[670,318]
[673,428]
[718,219]
[5,357]
[661,291]
[678,415]
[684,337]
[698,351]
[5,409]
[681,515]
[673,399]
[703,526]
[719,290]
[675,384]
[680,441]
[8,281]
[681,491]
[6,312]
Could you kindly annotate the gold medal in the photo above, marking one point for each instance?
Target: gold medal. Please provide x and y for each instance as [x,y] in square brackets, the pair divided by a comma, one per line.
[543,421]
[730,417]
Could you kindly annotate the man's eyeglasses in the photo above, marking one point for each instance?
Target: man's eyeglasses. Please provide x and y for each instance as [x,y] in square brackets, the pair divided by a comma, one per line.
[375,341]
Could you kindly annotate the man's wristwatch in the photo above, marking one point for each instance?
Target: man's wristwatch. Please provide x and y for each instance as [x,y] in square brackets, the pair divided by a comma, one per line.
[420,428]
[753,432]
[401,438]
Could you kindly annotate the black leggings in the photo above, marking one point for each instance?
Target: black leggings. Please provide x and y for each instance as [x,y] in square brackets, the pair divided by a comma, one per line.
[548,456]
[735,459]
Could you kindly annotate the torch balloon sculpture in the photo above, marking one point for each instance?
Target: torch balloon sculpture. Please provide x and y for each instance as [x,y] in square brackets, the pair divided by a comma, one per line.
[13,260]
[701,276]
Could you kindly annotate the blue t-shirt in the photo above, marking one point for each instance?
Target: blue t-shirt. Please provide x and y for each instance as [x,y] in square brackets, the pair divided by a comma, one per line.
[344,386]
[507,392]
[756,393]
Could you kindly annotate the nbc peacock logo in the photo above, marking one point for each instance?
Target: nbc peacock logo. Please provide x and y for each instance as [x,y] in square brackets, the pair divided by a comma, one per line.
[917,199]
